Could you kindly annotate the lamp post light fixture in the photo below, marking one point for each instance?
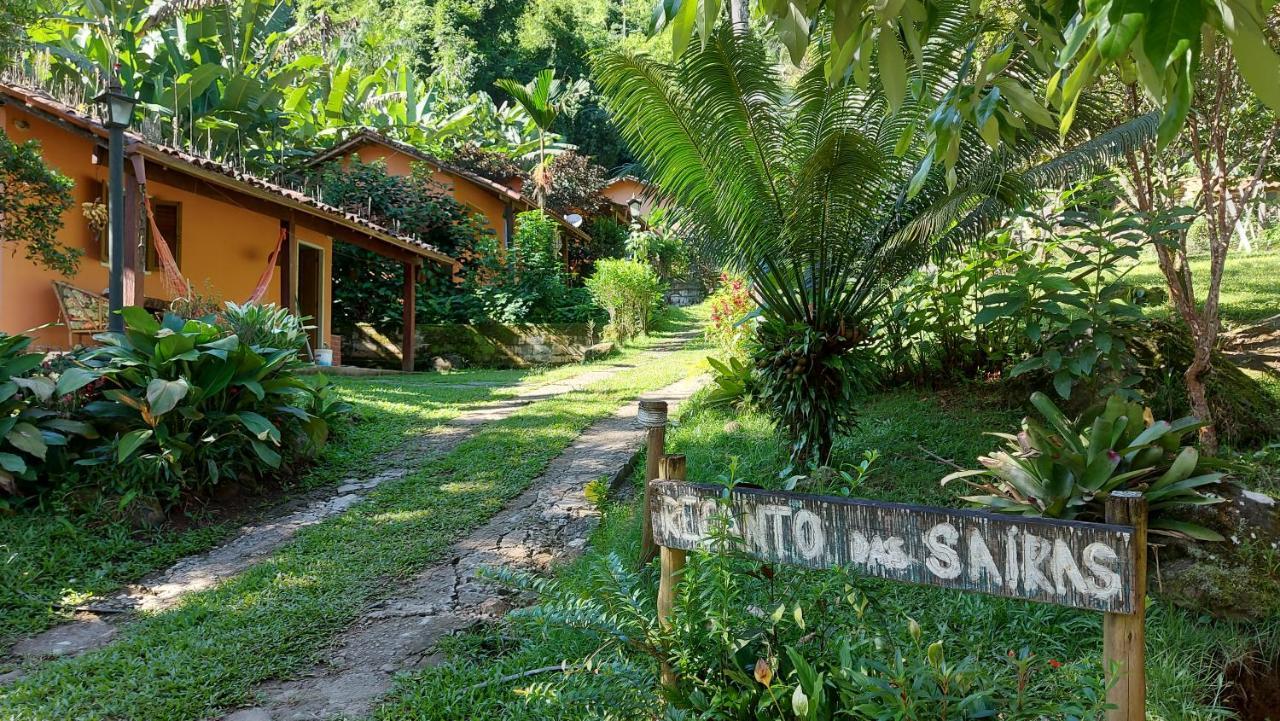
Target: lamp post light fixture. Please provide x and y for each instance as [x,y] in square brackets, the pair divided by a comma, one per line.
[633,206]
[119,115]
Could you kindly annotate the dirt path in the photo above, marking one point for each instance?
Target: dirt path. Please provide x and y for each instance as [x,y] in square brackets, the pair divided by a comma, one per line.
[94,628]
[549,522]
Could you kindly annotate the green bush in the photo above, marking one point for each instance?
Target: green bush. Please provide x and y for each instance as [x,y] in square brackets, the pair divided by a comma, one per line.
[630,292]
[183,406]
[265,326]
[32,203]
[529,284]
[747,641]
[36,432]
[1067,468]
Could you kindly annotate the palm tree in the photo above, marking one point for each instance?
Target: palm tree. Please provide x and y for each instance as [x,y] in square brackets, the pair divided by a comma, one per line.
[822,194]
[537,99]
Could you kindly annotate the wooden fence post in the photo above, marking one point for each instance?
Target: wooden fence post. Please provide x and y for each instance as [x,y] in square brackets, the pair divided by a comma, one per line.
[1123,634]
[672,560]
[653,416]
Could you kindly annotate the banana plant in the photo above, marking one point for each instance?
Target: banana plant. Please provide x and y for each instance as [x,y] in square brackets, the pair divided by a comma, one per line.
[1063,468]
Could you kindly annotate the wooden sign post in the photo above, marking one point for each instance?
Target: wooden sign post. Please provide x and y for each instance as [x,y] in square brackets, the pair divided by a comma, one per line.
[670,468]
[652,415]
[1095,566]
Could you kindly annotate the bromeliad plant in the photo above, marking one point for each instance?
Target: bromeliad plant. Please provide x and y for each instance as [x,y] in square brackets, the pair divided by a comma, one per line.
[1066,469]
[189,405]
[826,196]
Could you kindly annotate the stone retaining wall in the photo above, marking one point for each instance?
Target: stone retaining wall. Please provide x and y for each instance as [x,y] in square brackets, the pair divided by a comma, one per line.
[684,293]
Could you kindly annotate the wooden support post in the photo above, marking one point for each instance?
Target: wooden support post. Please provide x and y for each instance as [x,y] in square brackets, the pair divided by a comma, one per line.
[1123,634]
[135,241]
[671,561]
[410,316]
[652,415]
[287,261]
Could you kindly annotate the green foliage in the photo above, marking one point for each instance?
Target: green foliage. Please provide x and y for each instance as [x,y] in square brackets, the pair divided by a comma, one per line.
[823,196]
[1067,468]
[186,405]
[33,198]
[1155,44]
[364,283]
[529,284]
[265,326]
[731,325]
[36,430]
[808,379]
[608,238]
[1068,299]
[1047,298]
[630,292]
[733,380]
[820,648]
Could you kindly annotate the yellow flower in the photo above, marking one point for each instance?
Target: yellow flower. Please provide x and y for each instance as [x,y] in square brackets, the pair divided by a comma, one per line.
[764,674]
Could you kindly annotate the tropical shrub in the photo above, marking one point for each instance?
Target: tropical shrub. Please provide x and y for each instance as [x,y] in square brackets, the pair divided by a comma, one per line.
[730,329]
[630,292]
[529,284]
[265,326]
[752,642]
[33,197]
[732,383]
[827,195]
[185,405]
[808,380]
[1068,298]
[1067,468]
[36,432]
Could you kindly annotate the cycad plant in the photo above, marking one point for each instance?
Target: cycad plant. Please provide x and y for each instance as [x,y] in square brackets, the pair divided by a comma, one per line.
[823,194]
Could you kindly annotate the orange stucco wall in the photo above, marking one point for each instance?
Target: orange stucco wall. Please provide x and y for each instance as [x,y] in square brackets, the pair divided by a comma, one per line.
[623,190]
[481,200]
[224,248]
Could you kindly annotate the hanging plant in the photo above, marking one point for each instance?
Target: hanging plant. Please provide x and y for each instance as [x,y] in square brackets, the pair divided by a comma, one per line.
[96,214]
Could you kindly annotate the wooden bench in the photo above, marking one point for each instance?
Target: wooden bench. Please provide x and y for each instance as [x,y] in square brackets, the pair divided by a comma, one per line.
[84,313]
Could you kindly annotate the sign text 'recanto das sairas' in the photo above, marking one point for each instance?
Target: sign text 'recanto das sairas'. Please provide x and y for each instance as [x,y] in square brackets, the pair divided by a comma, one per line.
[1070,563]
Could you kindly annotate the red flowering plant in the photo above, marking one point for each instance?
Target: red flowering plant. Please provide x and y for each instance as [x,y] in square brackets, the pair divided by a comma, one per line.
[731,305]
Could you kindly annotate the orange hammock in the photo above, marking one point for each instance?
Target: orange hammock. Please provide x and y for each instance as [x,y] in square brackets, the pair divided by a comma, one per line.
[174,281]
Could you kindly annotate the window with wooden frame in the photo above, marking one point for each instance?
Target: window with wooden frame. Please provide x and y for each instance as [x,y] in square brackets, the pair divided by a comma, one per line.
[168,220]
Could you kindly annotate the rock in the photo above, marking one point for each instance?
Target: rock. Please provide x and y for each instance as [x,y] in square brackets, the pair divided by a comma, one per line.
[598,351]
[732,427]
[69,639]
[448,361]
[1229,579]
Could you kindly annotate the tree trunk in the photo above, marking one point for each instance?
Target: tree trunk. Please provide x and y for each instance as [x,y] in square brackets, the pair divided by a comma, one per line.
[1197,394]
[739,16]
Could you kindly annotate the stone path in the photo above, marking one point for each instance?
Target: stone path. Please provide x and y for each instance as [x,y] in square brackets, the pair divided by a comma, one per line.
[548,523]
[94,628]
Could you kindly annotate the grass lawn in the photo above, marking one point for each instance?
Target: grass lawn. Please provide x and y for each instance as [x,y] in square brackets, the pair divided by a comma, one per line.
[208,652]
[52,559]
[1250,284]
[1186,652]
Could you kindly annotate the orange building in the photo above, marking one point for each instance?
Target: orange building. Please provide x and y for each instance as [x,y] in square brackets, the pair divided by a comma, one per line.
[495,202]
[621,191]
[222,226]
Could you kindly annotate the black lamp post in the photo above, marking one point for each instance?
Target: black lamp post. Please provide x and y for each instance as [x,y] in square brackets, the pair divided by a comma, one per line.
[119,115]
[633,207]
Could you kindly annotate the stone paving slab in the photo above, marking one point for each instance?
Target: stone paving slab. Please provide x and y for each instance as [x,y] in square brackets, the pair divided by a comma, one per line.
[88,630]
[548,523]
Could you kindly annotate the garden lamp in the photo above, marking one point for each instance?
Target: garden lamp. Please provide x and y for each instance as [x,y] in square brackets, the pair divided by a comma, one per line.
[119,114]
[633,206]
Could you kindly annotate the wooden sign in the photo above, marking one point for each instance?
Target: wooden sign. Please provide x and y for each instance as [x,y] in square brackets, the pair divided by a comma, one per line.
[1070,563]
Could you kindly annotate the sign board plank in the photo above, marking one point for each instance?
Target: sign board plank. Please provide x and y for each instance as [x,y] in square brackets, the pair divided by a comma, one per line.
[1069,563]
